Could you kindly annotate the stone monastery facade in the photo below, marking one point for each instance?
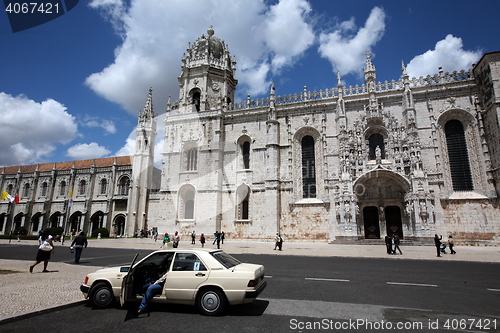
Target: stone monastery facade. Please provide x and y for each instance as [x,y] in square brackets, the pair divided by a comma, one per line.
[412,157]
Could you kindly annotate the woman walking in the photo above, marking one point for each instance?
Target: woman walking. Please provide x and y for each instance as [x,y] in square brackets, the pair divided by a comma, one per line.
[45,248]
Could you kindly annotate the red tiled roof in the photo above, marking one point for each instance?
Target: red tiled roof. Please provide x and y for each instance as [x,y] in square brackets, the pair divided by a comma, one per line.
[97,162]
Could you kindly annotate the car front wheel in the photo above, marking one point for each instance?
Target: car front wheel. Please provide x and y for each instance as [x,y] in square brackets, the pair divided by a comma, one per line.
[101,295]
[211,302]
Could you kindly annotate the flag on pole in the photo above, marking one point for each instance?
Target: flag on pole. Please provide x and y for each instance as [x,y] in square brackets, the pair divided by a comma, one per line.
[7,196]
[16,199]
[70,201]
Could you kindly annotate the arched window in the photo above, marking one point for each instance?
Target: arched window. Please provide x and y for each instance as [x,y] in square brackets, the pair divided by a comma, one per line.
[44,189]
[376,140]
[461,176]
[104,186]
[245,151]
[197,100]
[191,158]
[189,210]
[308,167]
[26,190]
[186,202]
[124,186]
[62,188]
[82,188]
[243,199]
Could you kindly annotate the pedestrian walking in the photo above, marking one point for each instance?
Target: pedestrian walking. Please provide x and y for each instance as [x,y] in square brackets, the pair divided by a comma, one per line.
[45,248]
[451,244]
[388,244]
[278,242]
[78,243]
[193,238]
[437,242]
[202,240]
[222,236]
[216,239]
[176,240]
[396,241]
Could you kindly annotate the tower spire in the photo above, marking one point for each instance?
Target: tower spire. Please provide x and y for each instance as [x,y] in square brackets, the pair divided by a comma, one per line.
[147,111]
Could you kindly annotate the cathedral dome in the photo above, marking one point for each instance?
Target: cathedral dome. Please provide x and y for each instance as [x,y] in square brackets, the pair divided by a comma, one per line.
[210,44]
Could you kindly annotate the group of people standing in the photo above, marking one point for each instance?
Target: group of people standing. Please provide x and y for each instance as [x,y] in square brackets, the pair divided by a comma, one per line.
[175,240]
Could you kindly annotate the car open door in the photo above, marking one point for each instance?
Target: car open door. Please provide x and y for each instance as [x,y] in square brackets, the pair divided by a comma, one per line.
[128,283]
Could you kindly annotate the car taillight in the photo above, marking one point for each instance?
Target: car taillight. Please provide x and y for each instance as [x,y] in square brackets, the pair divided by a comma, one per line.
[86,280]
[253,283]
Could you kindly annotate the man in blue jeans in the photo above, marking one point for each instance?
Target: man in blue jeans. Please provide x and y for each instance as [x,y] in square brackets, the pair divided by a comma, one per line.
[78,243]
[151,291]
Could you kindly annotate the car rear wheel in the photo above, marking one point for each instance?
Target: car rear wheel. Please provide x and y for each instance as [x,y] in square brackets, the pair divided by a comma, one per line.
[101,295]
[211,302]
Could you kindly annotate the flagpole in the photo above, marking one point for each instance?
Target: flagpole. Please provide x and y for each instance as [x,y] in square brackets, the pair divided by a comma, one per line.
[10,211]
[68,207]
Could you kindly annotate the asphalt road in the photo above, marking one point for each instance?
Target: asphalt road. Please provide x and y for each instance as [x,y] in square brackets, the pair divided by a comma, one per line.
[321,293]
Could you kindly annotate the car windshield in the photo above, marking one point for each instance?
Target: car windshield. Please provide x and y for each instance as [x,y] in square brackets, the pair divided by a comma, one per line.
[162,259]
[225,259]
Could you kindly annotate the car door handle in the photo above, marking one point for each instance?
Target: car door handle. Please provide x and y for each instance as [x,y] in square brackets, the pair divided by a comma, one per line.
[200,274]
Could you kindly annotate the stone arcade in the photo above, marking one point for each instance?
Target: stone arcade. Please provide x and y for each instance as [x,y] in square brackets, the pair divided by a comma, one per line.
[412,157]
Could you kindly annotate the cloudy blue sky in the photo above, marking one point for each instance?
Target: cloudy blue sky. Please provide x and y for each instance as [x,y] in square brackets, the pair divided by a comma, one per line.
[71,89]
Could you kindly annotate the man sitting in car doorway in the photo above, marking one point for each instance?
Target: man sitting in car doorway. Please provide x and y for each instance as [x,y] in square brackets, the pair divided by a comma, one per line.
[153,289]
[153,283]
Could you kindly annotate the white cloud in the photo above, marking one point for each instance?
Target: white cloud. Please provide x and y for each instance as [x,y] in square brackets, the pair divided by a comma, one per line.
[448,54]
[87,151]
[108,126]
[287,34]
[31,130]
[156,33]
[346,52]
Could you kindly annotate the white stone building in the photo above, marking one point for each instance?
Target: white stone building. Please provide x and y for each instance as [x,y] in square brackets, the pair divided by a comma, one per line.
[413,157]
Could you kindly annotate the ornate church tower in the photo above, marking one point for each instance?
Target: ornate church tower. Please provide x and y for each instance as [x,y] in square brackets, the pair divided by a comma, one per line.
[193,168]
[207,80]
[142,168]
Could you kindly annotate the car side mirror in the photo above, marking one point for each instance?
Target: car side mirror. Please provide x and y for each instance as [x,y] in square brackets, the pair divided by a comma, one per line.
[124,269]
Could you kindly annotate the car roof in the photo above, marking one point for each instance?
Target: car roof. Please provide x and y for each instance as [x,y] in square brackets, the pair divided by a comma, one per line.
[190,250]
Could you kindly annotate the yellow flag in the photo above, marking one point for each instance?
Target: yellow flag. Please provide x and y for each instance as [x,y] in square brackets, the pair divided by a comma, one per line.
[7,196]
[70,201]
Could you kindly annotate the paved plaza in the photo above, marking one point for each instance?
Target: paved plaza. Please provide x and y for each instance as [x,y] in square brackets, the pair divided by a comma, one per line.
[24,293]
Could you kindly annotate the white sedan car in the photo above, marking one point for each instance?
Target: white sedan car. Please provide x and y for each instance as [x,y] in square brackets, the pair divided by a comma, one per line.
[209,279]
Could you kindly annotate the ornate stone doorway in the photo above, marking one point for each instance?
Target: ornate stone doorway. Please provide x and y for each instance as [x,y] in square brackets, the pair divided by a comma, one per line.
[119,225]
[371,222]
[380,195]
[393,221]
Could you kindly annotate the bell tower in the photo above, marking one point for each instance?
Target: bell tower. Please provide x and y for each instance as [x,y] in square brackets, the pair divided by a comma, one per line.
[193,168]
[142,168]
[207,79]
